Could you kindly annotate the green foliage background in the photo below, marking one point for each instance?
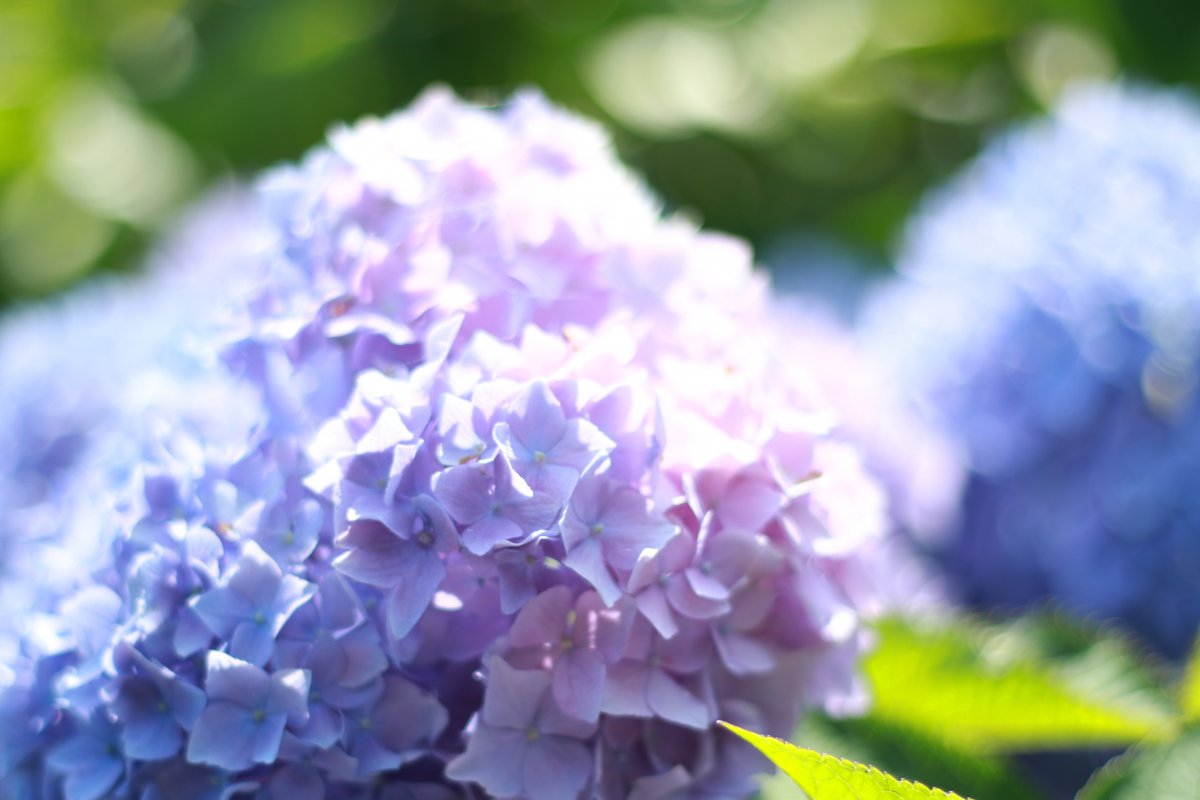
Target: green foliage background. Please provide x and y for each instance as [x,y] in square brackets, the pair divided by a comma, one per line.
[761,117]
[961,704]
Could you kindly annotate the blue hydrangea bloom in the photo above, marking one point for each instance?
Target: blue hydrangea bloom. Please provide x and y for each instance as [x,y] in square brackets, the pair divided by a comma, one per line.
[464,473]
[1048,315]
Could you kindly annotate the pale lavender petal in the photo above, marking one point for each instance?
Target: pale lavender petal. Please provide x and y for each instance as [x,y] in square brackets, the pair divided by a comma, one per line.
[600,627]
[307,519]
[89,768]
[743,655]
[465,492]
[631,531]
[157,736]
[555,481]
[705,586]
[625,689]
[579,684]
[654,606]
[553,720]
[513,696]
[419,581]
[750,501]
[494,759]
[93,782]
[253,643]
[191,633]
[374,554]
[406,715]
[364,657]
[674,703]
[688,603]
[543,619]
[490,531]
[235,681]
[537,417]
[459,422]
[293,593]
[289,695]
[222,610]
[536,512]
[339,607]
[264,745]
[373,758]
[297,782]
[587,559]
[324,727]
[581,445]
[255,577]
[386,433]
[556,769]
[662,786]
[517,586]
[645,572]
[224,737]
[185,700]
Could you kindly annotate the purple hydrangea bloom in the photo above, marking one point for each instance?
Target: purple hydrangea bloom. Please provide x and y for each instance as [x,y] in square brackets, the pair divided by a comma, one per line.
[410,569]
[573,639]
[493,504]
[518,498]
[549,451]
[90,760]
[243,722]
[523,745]
[251,604]
[1047,315]
[155,707]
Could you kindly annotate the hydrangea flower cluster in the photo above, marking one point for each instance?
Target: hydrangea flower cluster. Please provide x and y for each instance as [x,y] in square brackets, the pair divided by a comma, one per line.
[77,373]
[523,494]
[1049,314]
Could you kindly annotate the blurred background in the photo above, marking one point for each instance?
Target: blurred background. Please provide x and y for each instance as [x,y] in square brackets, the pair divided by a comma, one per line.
[795,123]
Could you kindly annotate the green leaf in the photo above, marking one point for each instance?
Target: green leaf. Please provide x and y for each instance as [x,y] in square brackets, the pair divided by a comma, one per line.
[1155,772]
[992,689]
[1189,693]
[1099,662]
[904,750]
[825,777]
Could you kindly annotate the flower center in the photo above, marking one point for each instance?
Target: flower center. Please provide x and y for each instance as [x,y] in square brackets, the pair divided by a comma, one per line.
[539,457]
[597,529]
[531,734]
[259,715]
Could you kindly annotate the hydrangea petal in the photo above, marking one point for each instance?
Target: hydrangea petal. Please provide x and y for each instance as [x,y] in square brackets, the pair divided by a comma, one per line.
[555,768]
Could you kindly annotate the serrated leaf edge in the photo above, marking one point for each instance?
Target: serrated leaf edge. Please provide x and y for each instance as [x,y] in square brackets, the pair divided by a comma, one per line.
[824,760]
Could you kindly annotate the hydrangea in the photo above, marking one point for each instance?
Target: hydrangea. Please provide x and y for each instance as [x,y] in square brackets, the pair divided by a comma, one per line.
[92,380]
[1048,314]
[528,493]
